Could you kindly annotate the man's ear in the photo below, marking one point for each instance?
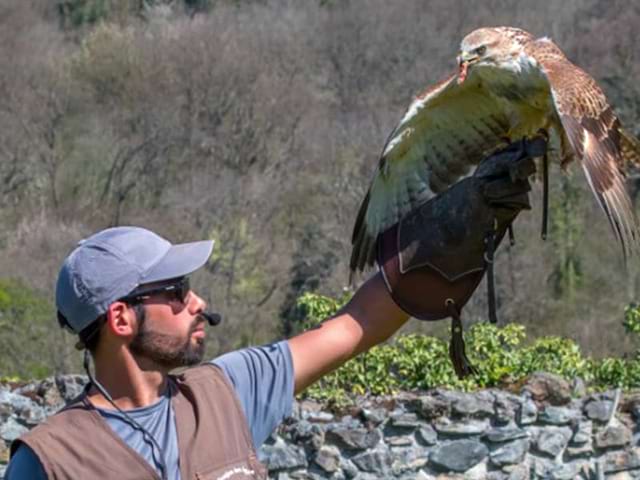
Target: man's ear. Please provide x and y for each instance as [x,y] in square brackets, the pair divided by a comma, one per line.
[121,320]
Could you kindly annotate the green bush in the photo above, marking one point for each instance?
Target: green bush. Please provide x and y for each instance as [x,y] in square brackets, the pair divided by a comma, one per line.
[494,352]
[557,355]
[632,318]
[26,349]
[500,355]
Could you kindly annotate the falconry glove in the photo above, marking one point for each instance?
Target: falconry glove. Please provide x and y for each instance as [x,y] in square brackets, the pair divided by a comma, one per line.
[434,258]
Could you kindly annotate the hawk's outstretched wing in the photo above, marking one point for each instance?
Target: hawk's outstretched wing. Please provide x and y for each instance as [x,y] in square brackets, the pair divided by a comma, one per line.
[596,138]
[445,132]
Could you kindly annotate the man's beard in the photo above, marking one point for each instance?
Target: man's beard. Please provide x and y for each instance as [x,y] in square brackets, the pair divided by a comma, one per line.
[166,350]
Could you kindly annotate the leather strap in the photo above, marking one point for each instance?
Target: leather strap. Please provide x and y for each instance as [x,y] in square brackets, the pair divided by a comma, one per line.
[457,353]
[490,248]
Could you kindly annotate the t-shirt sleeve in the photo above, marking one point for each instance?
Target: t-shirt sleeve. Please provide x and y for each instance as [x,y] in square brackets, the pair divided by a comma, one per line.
[25,464]
[263,379]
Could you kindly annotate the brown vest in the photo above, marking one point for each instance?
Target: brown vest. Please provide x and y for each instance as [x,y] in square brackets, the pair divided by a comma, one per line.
[213,437]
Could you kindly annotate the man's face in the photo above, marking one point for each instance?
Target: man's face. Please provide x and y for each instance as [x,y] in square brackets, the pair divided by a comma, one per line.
[170,331]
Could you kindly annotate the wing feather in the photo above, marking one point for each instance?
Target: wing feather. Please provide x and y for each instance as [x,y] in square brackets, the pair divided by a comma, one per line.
[443,134]
[630,147]
[594,133]
[451,127]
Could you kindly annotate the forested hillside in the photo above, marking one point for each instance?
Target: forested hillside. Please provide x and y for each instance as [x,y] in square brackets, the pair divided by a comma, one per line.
[259,124]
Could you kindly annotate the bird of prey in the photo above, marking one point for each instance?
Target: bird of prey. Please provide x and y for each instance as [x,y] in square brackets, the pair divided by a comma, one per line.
[510,85]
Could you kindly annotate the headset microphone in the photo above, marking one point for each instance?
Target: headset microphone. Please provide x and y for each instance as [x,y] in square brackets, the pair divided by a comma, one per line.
[213,318]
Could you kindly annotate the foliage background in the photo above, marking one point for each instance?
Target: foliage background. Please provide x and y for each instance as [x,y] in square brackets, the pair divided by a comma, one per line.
[258,124]
[503,357]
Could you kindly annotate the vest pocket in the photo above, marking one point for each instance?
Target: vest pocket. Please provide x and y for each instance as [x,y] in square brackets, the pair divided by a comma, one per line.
[240,470]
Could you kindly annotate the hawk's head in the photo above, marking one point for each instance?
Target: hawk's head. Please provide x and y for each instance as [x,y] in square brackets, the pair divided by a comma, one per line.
[494,46]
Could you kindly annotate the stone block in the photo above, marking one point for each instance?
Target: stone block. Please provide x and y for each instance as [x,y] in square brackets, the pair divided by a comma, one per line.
[399,467]
[70,386]
[480,404]
[579,451]
[328,458]
[517,472]
[613,436]
[598,410]
[399,441]
[564,471]
[446,426]
[432,407]
[374,416]
[11,429]
[540,467]
[353,438]
[547,387]
[349,469]
[510,453]
[407,421]
[422,475]
[582,433]
[553,441]
[478,472]
[504,434]
[281,456]
[427,435]
[459,455]
[320,417]
[622,461]
[373,461]
[506,407]
[558,415]
[527,413]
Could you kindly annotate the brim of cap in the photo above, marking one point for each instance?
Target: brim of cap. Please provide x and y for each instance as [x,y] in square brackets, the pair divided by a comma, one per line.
[180,260]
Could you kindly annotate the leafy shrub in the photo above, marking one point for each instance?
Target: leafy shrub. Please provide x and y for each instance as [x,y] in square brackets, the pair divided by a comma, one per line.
[500,354]
[422,362]
[557,355]
[316,307]
[25,322]
[494,351]
[631,321]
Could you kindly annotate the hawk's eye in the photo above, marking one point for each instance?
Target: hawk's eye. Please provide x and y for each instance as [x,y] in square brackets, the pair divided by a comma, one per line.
[481,50]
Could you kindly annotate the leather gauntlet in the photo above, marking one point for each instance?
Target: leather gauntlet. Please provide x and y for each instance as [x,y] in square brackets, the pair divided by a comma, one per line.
[434,258]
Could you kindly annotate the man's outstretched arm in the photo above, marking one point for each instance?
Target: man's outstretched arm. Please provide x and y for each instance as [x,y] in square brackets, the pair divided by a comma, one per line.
[369,318]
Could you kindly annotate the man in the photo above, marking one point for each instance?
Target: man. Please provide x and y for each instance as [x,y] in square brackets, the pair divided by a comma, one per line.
[132,281]
[124,291]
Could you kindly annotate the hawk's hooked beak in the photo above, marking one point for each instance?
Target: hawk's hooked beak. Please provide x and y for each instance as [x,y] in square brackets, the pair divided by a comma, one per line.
[464,60]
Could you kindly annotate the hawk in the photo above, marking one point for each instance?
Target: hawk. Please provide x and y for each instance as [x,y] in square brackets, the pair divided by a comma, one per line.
[509,85]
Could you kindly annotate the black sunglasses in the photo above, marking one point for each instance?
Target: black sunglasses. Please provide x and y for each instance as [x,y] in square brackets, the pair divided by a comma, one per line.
[176,290]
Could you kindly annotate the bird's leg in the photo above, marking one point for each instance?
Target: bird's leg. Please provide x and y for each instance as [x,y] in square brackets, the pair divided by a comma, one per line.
[545,196]
[545,187]
[490,248]
[512,237]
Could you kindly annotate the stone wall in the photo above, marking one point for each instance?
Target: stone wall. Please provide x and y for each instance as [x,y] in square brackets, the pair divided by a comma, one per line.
[543,429]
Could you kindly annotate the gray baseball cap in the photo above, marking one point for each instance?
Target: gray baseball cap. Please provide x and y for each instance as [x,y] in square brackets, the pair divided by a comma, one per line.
[113,262]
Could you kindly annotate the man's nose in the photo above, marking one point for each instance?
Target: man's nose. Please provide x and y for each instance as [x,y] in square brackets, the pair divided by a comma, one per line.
[196,304]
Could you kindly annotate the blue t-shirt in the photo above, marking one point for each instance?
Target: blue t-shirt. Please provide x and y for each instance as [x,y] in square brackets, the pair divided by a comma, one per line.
[263,380]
